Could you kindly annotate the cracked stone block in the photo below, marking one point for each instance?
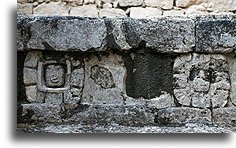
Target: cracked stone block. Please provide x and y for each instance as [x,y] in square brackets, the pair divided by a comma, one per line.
[30,76]
[54,76]
[202,79]
[32,58]
[148,75]
[224,116]
[43,112]
[31,93]
[53,98]
[215,35]
[104,80]
[173,116]
[77,77]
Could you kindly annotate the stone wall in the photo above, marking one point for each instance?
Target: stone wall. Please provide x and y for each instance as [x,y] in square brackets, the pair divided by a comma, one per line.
[164,71]
[125,8]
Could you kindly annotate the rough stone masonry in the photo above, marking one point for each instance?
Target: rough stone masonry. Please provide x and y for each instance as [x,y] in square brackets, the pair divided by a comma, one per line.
[164,71]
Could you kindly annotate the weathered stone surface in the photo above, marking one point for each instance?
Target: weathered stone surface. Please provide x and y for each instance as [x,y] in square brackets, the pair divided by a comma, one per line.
[148,75]
[43,112]
[215,34]
[224,116]
[71,98]
[30,76]
[77,77]
[109,114]
[105,84]
[53,98]
[197,9]
[25,8]
[112,13]
[164,4]
[83,34]
[221,5]
[32,59]
[54,76]
[139,12]
[181,115]
[40,97]
[187,3]
[85,11]
[89,1]
[201,79]
[22,1]
[60,34]
[107,5]
[51,8]
[125,3]
[31,93]
[74,3]
[174,12]
[231,65]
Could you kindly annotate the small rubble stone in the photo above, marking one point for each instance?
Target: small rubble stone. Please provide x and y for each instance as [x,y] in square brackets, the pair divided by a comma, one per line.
[112,13]
[32,59]
[164,4]
[53,98]
[224,116]
[89,1]
[70,99]
[221,5]
[85,11]
[25,8]
[77,77]
[40,97]
[43,112]
[30,76]
[165,100]
[52,8]
[22,1]
[173,116]
[107,5]
[31,93]
[126,3]
[187,3]
[139,12]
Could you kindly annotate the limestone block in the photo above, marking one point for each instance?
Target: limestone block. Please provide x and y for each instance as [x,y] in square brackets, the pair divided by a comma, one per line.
[173,116]
[231,65]
[30,76]
[112,13]
[74,3]
[165,100]
[40,97]
[187,3]
[52,8]
[53,98]
[107,5]
[77,77]
[31,93]
[164,4]
[197,10]
[32,59]
[224,116]
[202,80]
[89,1]
[139,12]
[221,5]
[85,11]
[174,12]
[25,8]
[43,112]
[215,35]
[22,1]
[104,80]
[126,3]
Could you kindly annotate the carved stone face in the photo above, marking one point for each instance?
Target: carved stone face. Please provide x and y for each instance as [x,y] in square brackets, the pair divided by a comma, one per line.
[54,75]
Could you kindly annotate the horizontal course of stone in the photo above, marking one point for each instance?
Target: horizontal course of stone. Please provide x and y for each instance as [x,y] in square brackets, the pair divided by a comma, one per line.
[166,71]
[205,34]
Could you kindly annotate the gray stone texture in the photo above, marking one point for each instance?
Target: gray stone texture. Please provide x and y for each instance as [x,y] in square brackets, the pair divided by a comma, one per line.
[215,34]
[104,80]
[32,59]
[168,34]
[181,115]
[30,76]
[201,80]
[42,112]
[31,93]
[77,77]
[54,75]
[54,98]
[125,3]
[224,116]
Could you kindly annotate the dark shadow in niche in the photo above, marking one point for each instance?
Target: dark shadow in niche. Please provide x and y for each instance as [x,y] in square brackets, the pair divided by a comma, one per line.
[149,74]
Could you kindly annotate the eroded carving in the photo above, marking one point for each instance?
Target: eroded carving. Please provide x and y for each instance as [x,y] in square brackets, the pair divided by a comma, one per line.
[201,80]
[54,75]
